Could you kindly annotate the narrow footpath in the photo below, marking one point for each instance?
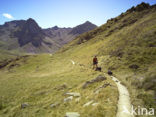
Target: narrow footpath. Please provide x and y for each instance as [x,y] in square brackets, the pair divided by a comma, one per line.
[124,104]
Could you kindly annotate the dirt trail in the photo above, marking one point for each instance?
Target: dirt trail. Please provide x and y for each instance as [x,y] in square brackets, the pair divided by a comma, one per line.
[124,105]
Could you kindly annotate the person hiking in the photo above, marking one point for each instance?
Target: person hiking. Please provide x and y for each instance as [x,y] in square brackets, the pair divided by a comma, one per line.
[95,62]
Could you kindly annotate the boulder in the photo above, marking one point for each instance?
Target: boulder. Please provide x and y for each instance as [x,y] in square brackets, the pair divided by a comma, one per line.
[97,79]
[103,86]
[134,66]
[61,87]
[24,105]
[54,105]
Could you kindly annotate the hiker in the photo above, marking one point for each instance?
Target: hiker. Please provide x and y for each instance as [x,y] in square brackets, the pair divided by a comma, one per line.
[95,62]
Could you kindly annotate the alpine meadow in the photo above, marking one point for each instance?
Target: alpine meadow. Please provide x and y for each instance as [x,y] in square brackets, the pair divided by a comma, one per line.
[49,72]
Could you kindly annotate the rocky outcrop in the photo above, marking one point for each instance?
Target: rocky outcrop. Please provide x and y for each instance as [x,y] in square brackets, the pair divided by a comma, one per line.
[140,7]
[134,66]
[97,79]
[24,105]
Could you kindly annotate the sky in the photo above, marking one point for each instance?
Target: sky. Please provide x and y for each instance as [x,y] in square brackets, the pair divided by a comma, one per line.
[65,13]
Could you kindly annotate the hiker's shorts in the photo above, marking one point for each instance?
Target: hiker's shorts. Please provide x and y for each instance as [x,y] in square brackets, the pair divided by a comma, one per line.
[94,63]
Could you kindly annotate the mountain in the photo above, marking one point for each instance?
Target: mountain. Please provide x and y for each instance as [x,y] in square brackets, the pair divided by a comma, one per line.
[64,35]
[29,32]
[60,35]
[65,83]
[27,36]
[87,26]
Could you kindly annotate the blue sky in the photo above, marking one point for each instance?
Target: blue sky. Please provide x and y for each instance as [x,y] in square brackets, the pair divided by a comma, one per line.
[65,13]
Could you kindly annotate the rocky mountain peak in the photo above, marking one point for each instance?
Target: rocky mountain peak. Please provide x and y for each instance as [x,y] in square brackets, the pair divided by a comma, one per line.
[32,26]
[87,22]
[55,28]
[30,20]
[85,27]
[142,6]
[30,32]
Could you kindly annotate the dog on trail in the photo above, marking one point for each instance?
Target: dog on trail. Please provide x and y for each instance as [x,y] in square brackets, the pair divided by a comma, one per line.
[98,69]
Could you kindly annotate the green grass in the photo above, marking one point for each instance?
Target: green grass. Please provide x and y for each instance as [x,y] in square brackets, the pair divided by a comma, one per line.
[4,54]
[38,87]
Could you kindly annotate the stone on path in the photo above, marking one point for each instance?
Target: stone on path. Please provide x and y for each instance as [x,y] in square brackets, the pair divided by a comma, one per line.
[78,99]
[54,105]
[88,103]
[68,99]
[72,114]
[94,104]
[74,94]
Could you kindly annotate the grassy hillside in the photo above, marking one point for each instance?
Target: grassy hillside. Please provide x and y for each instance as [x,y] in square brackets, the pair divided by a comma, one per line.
[43,80]
[4,54]
[125,44]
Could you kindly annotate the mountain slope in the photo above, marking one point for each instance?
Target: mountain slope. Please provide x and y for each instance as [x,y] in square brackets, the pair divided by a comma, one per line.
[27,36]
[125,45]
